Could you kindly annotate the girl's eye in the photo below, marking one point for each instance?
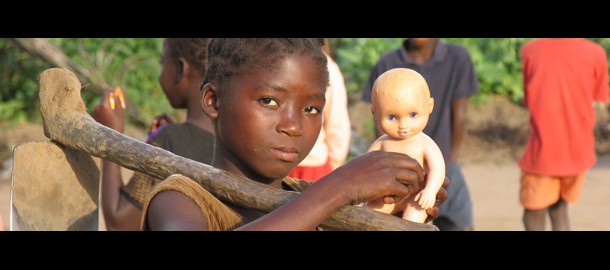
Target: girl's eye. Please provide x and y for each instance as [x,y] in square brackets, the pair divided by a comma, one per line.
[312,110]
[413,114]
[268,102]
[391,117]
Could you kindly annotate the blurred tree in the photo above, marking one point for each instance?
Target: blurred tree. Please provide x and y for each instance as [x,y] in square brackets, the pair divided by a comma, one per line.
[132,63]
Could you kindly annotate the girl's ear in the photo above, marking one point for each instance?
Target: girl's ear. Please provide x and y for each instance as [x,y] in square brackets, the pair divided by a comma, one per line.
[431,103]
[209,100]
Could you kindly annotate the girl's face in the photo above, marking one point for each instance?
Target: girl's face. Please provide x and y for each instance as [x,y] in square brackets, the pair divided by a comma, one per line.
[269,120]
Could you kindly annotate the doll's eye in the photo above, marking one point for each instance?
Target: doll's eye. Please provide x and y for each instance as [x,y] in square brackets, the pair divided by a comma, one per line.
[268,102]
[413,114]
[391,117]
[312,110]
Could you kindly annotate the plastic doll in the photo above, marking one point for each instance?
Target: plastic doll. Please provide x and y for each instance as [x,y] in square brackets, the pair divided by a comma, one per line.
[401,105]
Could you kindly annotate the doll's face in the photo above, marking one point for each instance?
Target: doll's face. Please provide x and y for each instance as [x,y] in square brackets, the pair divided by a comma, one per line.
[402,119]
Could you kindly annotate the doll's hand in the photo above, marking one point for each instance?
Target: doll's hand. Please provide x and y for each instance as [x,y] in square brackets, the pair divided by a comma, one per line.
[378,174]
[441,196]
[109,111]
[425,198]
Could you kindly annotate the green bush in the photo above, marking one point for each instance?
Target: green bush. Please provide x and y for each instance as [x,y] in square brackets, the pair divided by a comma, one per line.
[132,63]
[357,56]
[18,84]
[496,60]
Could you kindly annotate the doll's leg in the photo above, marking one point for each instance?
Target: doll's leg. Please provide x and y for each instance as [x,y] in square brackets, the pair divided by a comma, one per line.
[378,205]
[414,212]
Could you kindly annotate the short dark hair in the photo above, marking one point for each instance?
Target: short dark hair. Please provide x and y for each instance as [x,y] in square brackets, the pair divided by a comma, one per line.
[194,50]
[229,57]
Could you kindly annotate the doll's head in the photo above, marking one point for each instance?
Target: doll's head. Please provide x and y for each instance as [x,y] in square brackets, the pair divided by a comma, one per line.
[265,97]
[401,103]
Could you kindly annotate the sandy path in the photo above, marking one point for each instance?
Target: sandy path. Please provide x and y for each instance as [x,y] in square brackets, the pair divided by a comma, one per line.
[495,194]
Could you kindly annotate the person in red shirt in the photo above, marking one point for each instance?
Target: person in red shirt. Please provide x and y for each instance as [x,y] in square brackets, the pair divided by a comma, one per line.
[562,80]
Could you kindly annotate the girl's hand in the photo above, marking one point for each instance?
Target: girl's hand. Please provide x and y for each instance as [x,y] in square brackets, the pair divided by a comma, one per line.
[378,174]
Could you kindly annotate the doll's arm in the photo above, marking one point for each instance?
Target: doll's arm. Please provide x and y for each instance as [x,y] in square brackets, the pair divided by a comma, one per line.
[436,174]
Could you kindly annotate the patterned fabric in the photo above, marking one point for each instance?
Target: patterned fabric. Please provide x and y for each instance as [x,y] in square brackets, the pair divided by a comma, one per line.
[136,191]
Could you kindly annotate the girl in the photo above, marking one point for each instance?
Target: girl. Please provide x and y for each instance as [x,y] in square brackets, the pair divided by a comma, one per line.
[265,98]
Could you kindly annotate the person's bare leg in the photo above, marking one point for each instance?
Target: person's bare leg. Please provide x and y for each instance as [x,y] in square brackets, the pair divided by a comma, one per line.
[559,216]
[534,220]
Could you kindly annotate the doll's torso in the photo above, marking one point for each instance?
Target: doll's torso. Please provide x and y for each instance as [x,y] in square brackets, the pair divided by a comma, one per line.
[413,147]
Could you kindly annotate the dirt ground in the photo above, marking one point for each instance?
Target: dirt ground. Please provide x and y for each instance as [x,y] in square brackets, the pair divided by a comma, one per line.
[495,138]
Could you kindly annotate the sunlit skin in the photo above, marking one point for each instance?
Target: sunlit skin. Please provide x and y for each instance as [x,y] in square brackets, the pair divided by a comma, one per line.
[266,121]
[401,104]
[281,113]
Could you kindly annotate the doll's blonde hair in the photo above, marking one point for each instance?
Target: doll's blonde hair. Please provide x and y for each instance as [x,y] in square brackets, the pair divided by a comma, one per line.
[400,84]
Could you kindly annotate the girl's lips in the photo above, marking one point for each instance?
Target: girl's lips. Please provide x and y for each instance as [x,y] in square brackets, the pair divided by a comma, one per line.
[287,154]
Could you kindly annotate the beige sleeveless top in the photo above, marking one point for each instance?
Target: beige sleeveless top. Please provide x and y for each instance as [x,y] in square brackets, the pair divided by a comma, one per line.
[219,216]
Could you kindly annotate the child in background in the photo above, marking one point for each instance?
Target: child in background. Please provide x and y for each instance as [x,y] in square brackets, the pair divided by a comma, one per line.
[401,104]
[183,68]
[265,98]
[562,78]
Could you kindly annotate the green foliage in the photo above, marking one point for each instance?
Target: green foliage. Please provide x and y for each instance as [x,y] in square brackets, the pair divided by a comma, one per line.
[497,65]
[18,84]
[496,60]
[131,63]
[357,56]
